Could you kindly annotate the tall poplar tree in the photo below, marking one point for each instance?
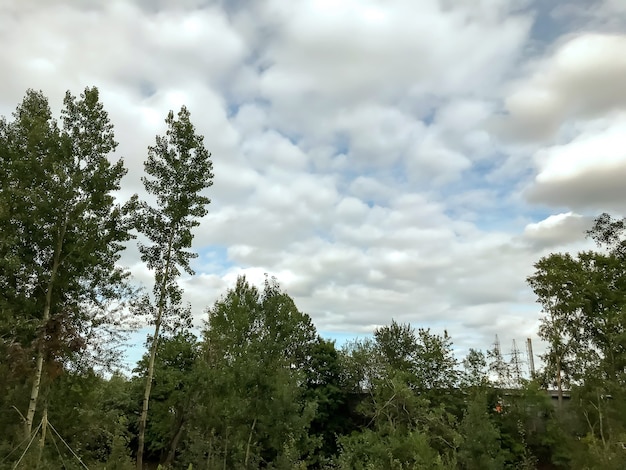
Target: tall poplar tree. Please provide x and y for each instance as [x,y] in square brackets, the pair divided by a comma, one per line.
[179,169]
[61,230]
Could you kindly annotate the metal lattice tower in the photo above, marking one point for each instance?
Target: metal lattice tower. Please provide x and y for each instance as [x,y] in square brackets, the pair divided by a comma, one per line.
[496,346]
[516,363]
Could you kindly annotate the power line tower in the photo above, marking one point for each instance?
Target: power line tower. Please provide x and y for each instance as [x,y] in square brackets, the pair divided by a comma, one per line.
[516,364]
[498,366]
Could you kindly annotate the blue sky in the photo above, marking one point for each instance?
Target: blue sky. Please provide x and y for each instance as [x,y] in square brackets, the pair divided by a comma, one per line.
[396,159]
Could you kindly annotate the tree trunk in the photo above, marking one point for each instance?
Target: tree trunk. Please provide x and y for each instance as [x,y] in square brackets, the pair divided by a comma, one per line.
[174,443]
[226,449]
[44,427]
[34,392]
[245,464]
[559,386]
[146,396]
[153,349]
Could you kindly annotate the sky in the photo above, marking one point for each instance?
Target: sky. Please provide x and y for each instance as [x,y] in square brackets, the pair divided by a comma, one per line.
[382,159]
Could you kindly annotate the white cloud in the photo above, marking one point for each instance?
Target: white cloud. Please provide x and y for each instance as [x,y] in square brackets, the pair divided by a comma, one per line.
[587,172]
[583,78]
[352,47]
[358,155]
[557,230]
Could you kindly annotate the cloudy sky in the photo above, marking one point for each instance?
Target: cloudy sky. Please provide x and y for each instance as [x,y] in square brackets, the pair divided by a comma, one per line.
[382,158]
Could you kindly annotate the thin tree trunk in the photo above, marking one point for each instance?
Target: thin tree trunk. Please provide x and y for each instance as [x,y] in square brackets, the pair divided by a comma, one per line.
[209,453]
[226,449]
[599,410]
[34,392]
[174,444]
[44,427]
[146,396]
[249,443]
[559,385]
[153,349]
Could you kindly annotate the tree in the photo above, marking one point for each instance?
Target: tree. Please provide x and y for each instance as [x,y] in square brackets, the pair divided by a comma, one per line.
[174,393]
[609,233]
[393,450]
[408,377]
[255,406]
[585,322]
[555,282]
[436,366]
[361,365]
[585,326]
[397,346]
[178,169]
[475,364]
[425,359]
[62,233]
[324,385]
[480,446]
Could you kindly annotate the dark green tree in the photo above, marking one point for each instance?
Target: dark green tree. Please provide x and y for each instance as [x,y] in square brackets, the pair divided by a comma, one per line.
[585,327]
[401,430]
[585,321]
[361,365]
[425,359]
[480,445]
[475,375]
[436,366]
[62,233]
[406,380]
[393,450]
[178,169]
[255,410]
[174,393]
[324,385]
[609,233]
[556,283]
[397,345]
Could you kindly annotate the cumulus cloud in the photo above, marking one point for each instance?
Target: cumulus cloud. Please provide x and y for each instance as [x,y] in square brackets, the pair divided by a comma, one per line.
[382,160]
[582,79]
[585,173]
[557,230]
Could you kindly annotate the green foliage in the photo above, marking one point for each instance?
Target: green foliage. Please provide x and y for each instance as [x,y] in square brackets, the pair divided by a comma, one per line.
[394,450]
[436,366]
[475,365]
[62,237]
[522,419]
[585,326]
[174,393]
[409,379]
[323,383]
[583,299]
[178,169]
[255,346]
[595,453]
[62,231]
[480,446]
[360,365]
[397,346]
